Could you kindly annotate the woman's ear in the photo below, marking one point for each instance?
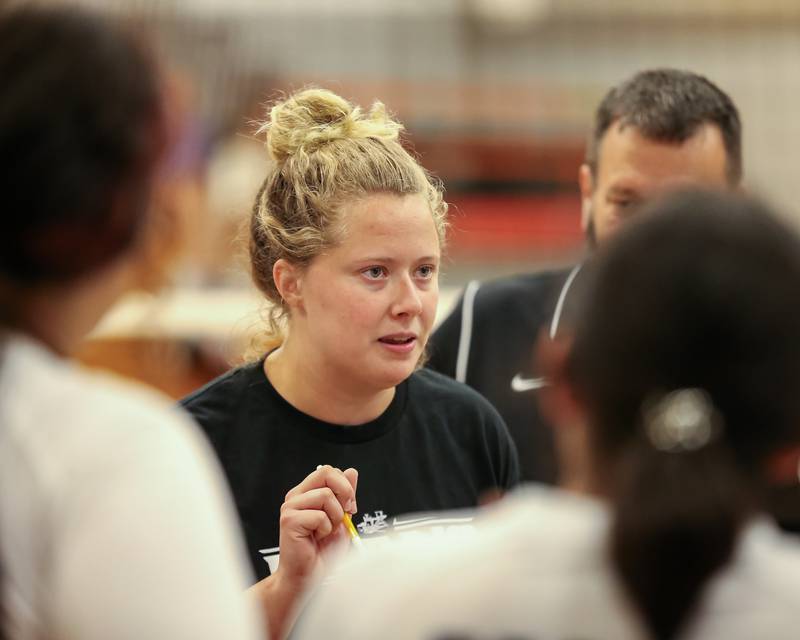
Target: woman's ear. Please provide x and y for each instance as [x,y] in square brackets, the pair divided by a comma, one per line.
[288,281]
[586,184]
[562,409]
[783,466]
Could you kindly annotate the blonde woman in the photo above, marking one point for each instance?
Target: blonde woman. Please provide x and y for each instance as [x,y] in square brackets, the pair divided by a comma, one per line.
[346,240]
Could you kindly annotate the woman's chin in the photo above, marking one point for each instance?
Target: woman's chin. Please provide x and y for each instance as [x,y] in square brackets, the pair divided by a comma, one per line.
[391,375]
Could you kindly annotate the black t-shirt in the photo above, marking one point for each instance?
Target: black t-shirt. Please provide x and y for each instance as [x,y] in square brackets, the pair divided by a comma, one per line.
[492,331]
[439,445]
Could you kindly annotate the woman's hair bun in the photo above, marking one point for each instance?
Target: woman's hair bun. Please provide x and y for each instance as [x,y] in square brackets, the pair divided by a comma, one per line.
[307,120]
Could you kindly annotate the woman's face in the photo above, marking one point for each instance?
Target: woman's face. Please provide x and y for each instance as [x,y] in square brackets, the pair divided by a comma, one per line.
[367,305]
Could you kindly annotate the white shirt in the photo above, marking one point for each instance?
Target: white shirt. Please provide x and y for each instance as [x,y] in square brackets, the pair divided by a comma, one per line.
[536,567]
[114,520]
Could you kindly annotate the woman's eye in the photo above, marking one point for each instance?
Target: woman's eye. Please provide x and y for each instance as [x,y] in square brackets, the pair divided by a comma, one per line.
[426,271]
[374,273]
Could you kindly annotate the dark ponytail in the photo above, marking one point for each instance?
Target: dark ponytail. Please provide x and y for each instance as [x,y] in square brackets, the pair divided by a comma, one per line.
[677,518]
[699,294]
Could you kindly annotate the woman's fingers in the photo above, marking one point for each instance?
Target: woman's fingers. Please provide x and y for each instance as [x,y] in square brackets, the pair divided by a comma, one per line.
[322,500]
[352,477]
[306,523]
[342,484]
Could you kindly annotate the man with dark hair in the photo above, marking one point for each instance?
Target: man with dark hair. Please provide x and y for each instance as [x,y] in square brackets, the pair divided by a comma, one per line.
[659,129]
[656,131]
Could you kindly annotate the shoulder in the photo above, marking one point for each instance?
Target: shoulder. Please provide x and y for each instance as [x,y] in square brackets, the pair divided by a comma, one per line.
[758,594]
[217,406]
[511,585]
[91,458]
[459,410]
[222,398]
[77,398]
[225,387]
[769,560]
[428,386]
[91,423]
[566,528]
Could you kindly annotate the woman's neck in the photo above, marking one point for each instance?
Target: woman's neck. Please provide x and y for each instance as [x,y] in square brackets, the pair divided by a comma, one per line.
[60,316]
[317,392]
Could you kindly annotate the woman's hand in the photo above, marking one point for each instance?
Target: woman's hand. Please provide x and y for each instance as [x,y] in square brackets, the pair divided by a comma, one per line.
[311,522]
[311,519]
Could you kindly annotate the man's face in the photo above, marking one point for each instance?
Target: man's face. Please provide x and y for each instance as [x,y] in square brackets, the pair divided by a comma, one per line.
[632,169]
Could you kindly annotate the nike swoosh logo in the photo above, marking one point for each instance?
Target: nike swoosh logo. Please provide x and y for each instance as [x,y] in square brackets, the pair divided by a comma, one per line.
[518,383]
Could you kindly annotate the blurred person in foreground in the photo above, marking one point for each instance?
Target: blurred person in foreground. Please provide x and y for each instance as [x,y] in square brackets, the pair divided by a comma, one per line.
[679,375]
[655,131]
[115,521]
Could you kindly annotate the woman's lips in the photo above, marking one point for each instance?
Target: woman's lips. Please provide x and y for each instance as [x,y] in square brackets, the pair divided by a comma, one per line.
[399,342]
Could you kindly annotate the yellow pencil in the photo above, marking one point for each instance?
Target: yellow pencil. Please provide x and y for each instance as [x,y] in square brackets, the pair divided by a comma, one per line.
[348,524]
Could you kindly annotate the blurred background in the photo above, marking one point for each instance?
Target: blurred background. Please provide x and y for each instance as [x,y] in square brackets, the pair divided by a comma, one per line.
[497,97]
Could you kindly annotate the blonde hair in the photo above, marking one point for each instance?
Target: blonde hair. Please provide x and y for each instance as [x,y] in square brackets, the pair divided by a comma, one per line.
[326,152]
